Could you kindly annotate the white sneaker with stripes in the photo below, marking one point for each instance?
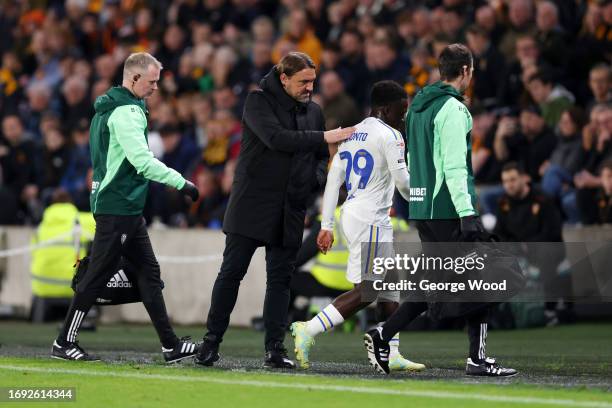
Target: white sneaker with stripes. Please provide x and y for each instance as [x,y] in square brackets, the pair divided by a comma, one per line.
[184,349]
[72,352]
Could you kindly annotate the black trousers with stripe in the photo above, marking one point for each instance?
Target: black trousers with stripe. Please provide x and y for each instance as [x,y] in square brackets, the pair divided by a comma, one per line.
[118,236]
[476,319]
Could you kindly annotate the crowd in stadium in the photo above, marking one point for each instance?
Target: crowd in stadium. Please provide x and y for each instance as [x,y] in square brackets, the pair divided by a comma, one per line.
[541,94]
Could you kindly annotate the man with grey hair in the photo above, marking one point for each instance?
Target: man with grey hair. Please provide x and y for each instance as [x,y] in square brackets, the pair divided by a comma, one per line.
[551,36]
[122,168]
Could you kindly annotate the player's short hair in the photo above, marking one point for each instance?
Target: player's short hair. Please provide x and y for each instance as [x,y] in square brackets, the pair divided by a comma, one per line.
[386,92]
[138,63]
[452,60]
[294,62]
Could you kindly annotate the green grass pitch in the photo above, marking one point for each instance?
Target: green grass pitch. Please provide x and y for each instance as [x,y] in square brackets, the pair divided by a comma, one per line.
[560,367]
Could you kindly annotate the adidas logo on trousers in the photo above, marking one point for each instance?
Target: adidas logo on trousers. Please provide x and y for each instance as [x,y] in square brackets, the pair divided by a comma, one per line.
[119,280]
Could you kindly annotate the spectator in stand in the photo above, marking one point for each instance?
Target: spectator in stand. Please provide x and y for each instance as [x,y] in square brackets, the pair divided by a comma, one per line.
[261,62]
[181,153]
[527,215]
[39,101]
[604,196]
[551,36]
[487,170]
[489,68]
[597,148]
[74,180]
[76,102]
[19,160]
[54,161]
[558,172]
[453,24]
[593,43]
[600,84]
[352,67]
[520,18]
[11,91]
[300,36]
[552,98]
[423,65]
[511,91]
[339,109]
[527,141]
[383,59]
[203,212]
[171,49]
[486,18]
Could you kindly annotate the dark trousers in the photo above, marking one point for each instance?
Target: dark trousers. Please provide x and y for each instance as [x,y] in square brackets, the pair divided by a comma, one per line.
[441,231]
[280,264]
[118,236]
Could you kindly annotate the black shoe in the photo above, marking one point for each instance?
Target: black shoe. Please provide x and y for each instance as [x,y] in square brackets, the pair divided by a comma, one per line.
[185,348]
[488,368]
[72,351]
[208,353]
[378,350]
[276,357]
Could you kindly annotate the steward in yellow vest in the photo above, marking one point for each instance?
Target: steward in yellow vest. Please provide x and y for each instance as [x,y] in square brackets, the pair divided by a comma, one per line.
[66,230]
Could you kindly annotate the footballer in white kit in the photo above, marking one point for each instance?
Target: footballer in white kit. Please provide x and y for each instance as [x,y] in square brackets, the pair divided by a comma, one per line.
[371,164]
[366,160]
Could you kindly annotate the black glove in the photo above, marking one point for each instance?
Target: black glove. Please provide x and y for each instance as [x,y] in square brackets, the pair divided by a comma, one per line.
[472,229]
[189,189]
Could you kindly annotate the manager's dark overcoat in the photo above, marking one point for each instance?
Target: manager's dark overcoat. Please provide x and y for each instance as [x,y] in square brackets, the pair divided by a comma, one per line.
[282,161]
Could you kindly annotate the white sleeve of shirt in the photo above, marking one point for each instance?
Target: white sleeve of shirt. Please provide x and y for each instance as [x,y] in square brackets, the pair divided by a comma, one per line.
[401,178]
[335,178]
[393,150]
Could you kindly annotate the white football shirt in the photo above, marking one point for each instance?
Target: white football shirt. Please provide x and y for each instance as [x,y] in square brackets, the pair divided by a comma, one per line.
[367,159]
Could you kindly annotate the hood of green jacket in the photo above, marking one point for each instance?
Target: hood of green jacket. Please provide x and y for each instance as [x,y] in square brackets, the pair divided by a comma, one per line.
[429,94]
[114,97]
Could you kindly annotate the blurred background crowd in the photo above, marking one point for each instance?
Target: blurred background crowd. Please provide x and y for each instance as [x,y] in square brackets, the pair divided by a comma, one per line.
[541,97]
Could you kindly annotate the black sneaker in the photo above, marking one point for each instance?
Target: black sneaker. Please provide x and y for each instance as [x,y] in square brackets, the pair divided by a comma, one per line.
[208,353]
[378,350]
[488,368]
[276,357]
[185,348]
[72,351]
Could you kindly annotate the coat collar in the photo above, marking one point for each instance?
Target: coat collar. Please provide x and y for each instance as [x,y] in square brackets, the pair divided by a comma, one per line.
[271,83]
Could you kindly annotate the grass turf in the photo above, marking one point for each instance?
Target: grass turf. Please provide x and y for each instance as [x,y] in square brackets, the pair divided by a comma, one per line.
[564,366]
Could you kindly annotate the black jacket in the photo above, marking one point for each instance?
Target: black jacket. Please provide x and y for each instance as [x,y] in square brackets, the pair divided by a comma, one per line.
[283,160]
[534,218]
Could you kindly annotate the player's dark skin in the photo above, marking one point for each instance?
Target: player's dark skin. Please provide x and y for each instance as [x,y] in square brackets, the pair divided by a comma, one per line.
[351,302]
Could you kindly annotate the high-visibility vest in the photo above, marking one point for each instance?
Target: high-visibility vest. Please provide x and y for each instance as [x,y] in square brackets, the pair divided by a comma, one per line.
[330,269]
[52,265]
[399,224]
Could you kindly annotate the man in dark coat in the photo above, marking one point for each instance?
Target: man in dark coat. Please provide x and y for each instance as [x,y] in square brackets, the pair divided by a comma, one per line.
[283,160]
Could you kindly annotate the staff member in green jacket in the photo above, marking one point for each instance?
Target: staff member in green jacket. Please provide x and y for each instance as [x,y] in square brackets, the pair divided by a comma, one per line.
[442,202]
[122,168]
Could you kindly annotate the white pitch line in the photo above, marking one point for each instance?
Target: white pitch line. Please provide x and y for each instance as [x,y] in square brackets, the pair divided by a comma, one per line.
[320,387]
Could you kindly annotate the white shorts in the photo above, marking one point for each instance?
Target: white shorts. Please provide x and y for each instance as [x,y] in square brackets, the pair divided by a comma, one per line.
[355,232]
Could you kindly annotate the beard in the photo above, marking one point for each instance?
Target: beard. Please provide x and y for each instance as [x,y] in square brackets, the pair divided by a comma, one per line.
[304,98]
